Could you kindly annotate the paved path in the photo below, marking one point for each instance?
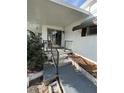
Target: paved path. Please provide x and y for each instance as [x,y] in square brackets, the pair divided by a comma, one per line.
[49,71]
[72,80]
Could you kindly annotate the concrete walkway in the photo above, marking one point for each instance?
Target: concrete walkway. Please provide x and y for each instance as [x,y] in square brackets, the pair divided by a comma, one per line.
[72,80]
[49,71]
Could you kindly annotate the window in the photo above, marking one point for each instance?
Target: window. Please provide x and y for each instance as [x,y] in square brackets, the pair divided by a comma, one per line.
[92,30]
[83,32]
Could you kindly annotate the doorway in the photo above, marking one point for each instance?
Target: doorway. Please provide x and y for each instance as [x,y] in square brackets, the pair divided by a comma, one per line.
[55,36]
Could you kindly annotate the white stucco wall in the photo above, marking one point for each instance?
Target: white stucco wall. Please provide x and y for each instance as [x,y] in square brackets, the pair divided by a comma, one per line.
[35,27]
[85,46]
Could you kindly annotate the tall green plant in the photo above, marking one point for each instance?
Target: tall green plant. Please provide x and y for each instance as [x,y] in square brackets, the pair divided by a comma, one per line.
[35,54]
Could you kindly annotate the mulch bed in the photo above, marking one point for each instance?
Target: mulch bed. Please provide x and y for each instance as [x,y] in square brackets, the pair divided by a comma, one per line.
[85,64]
[36,81]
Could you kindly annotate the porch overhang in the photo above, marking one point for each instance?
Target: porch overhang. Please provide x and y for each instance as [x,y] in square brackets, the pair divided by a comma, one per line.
[90,21]
[47,12]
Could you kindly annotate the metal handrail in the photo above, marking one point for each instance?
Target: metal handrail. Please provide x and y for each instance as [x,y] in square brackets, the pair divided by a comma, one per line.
[65,43]
[56,62]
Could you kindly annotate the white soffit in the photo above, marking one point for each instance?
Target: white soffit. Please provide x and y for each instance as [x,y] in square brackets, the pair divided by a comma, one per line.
[46,12]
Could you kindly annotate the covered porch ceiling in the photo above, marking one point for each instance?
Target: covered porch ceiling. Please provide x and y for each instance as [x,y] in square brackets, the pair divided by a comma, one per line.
[46,12]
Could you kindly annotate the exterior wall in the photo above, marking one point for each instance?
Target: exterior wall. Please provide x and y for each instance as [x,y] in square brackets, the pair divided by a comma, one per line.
[85,46]
[35,27]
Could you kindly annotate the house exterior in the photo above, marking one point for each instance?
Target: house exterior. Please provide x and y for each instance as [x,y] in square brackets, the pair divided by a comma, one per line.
[69,26]
[59,16]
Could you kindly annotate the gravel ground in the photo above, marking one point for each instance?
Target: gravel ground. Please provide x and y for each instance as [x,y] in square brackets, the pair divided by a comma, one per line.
[33,89]
[37,89]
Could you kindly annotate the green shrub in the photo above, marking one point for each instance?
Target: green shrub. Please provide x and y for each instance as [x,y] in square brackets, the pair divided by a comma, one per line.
[35,54]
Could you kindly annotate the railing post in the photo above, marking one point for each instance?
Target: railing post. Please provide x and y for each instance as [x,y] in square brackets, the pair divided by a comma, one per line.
[57,72]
